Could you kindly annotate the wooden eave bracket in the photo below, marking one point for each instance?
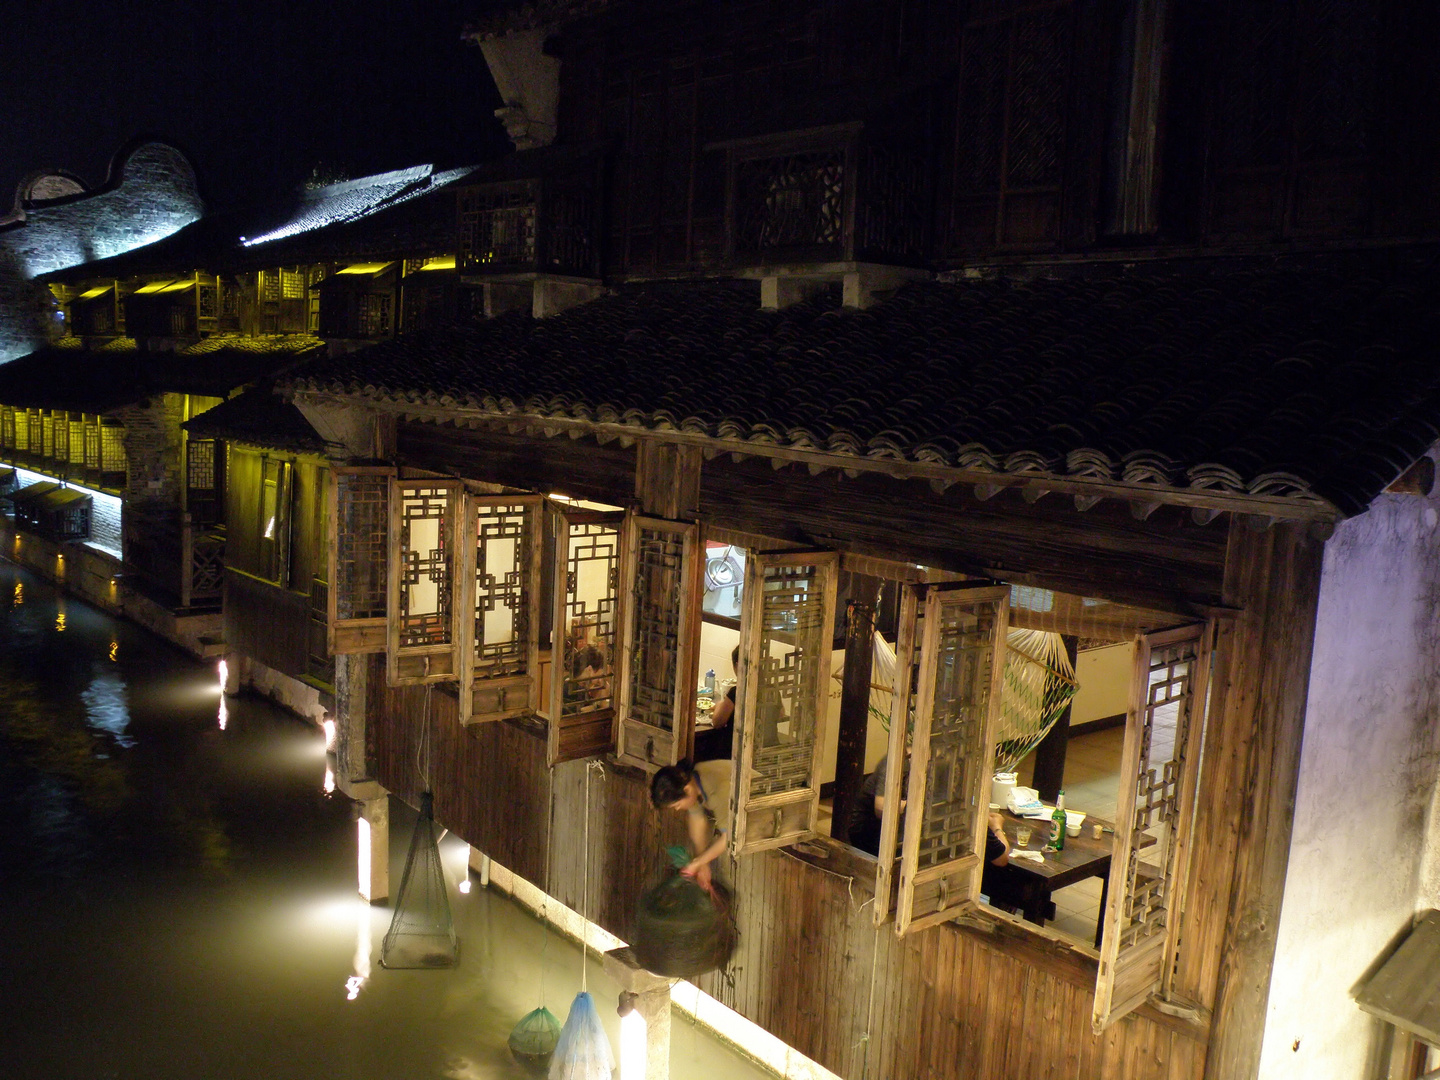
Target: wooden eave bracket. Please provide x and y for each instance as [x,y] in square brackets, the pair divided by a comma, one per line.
[1087,493]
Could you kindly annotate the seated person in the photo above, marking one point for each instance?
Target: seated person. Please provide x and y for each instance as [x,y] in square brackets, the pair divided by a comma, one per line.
[718,743]
[702,793]
[869,808]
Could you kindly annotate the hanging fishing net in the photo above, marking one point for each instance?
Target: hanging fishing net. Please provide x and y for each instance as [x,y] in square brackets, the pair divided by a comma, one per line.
[532,1042]
[1039,682]
[422,932]
[681,930]
[583,1052]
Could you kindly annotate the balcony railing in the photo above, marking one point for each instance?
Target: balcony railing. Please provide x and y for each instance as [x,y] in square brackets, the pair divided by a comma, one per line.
[825,195]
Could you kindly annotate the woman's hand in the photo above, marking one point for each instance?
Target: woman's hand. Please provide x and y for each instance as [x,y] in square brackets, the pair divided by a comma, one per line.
[699,872]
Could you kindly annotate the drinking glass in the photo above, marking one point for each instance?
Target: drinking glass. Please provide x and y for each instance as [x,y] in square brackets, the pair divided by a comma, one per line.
[1022,835]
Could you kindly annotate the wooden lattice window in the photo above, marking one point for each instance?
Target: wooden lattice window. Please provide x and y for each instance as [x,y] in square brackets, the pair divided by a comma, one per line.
[790,201]
[660,651]
[112,448]
[949,665]
[497,225]
[585,631]
[59,427]
[47,435]
[92,443]
[1158,771]
[499,614]
[421,632]
[202,494]
[22,431]
[359,558]
[275,480]
[270,286]
[787,629]
[77,440]
[7,427]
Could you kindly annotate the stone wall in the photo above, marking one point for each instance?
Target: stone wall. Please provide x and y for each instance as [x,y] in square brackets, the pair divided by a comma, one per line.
[149,194]
[1361,856]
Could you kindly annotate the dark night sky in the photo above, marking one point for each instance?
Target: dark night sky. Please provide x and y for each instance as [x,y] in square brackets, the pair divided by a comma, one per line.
[256,92]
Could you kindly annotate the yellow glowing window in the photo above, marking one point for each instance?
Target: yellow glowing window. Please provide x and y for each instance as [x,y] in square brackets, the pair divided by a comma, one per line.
[90,294]
[365,268]
[179,286]
[153,287]
[440,262]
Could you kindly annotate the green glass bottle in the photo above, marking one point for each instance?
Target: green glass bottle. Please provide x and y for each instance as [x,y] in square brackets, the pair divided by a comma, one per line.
[1057,838]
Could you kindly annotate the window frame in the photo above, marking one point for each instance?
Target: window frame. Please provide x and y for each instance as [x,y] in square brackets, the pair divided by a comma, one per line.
[802,804]
[590,732]
[638,742]
[371,633]
[484,698]
[420,664]
[1150,964]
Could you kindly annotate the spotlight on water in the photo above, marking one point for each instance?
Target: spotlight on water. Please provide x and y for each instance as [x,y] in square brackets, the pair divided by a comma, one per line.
[224,713]
[329,784]
[329,727]
[224,672]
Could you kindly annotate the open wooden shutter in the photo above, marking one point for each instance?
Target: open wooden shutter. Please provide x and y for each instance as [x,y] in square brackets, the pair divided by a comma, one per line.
[585,633]
[1158,771]
[957,706]
[902,709]
[787,629]
[359,544]
[421,646]
[499,610]
[661,644]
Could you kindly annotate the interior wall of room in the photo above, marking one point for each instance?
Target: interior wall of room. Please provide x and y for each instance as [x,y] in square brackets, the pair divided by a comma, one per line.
[1368,771]
[1104,676]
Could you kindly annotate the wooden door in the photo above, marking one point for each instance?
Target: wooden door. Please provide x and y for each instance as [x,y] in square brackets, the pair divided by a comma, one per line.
[787,629]
[585,633]
[499,613]
[359,557]
[1158,771]
[660,650]
[956,692]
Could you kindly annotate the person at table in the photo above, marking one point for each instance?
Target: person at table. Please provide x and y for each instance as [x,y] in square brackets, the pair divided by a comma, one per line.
[702,793]
[718,743]
[869,809]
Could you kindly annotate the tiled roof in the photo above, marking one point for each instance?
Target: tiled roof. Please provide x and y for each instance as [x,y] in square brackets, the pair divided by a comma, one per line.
[1308,383]
[258,418]
[118,373]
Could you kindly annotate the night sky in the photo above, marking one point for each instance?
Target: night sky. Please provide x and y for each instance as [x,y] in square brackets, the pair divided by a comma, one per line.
[258,93]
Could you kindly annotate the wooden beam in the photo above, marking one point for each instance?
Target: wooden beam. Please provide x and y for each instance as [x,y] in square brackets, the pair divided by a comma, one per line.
[854,702]
[667,480]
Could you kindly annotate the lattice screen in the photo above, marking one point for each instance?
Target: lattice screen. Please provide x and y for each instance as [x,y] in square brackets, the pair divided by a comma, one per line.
[363,504]
[497,226]
[7,427]
[47,435]
[77,440]
[961,677]
[655,641]
[793,200]
[504,549]
[585,631]
[21,422]
[58,427]
[112,448]
[794,657]
[1164,730]
[423,617]
[92,443]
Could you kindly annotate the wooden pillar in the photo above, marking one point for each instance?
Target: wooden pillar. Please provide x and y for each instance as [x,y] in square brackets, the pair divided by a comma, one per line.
[667,480]
[1049,774]
[373,849]
[1257,716]
[854,702]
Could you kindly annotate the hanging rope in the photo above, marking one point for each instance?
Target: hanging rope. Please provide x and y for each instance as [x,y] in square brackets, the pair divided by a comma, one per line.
[422,743]
[545,885]
[585,891]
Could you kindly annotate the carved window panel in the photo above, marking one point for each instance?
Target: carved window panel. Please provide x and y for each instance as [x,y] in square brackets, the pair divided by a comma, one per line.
[76,454]
[584,653]
[903,694]
[421,629]
[359,557]
[787,630]
[22,431]
[7,427]
[92,444]
[1158,771]
[499,616]
[112,451]
[661,646]
[956,694]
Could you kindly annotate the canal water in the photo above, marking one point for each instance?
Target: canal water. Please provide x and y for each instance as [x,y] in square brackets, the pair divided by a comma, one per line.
[177,888]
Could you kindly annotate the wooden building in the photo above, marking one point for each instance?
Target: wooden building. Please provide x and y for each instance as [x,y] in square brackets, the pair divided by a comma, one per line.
[1109,319]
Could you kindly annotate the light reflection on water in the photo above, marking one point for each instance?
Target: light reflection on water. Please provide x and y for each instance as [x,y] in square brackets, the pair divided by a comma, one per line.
[181,898]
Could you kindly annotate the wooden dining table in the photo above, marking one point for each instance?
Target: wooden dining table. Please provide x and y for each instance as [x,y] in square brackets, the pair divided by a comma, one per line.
[1028,886]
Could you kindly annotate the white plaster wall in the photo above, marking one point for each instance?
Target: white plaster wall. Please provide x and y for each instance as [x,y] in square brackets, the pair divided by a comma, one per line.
[1367,781]
[1104,676]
